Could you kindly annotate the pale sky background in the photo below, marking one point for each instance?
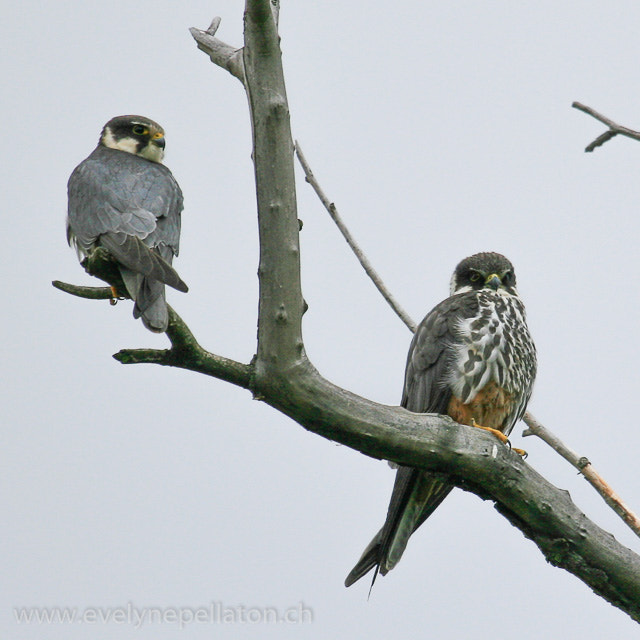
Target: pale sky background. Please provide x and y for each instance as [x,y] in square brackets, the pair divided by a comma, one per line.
[439,129]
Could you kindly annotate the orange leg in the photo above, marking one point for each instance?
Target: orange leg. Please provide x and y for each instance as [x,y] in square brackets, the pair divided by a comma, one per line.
[114,296]
[495,432]
[501,437]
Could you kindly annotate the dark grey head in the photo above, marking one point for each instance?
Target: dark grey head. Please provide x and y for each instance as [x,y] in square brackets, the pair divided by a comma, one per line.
[134,134]
[484,271]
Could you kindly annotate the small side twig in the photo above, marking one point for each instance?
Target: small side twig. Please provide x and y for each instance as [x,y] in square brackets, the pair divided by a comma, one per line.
[535,427]
[220,53]
[614,127]
[362,258]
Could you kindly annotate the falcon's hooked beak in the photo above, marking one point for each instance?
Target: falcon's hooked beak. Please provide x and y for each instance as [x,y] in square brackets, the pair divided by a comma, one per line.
[154,149]
[493,281]
[158,140]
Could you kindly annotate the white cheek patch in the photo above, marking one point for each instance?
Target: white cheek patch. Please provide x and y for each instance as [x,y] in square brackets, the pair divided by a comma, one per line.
[152,152]
[124,144]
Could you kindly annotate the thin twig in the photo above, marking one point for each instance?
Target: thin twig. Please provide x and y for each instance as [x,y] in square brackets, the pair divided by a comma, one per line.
[614,127]
[366,265]
[585,467]
[535,427]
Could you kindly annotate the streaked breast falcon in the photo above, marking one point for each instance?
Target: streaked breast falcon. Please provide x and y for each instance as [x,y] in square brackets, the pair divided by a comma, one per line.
[123,200]
[471,358]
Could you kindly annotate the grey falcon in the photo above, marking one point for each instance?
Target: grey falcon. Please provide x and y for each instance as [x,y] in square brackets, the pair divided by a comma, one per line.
[472,358]
[123,200]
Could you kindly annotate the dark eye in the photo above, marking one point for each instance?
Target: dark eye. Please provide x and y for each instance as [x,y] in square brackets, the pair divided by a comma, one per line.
[138,129]
[474,276]
[508,278]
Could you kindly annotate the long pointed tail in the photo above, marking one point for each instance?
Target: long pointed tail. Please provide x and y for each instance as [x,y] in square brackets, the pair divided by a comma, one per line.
[415,496]
[150,302]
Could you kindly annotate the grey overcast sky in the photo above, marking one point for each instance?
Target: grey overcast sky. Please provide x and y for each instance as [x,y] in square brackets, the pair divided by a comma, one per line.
[439,129]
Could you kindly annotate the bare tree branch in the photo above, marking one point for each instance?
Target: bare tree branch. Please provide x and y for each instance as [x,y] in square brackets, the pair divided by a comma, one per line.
[614,128]
[281,304]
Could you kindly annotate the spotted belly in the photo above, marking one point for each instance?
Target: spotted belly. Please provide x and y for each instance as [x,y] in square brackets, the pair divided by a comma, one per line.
[494,364]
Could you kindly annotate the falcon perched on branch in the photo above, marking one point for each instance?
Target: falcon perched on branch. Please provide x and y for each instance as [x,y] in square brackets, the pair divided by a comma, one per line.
[473,359]
[124,202]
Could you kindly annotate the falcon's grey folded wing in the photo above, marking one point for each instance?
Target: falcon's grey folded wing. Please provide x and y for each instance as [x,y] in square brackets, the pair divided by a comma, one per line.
[416,494]
[132,253]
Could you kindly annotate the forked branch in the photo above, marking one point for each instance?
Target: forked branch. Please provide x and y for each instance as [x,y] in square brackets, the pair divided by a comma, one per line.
[220,53]
[185,352]
[614,128]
